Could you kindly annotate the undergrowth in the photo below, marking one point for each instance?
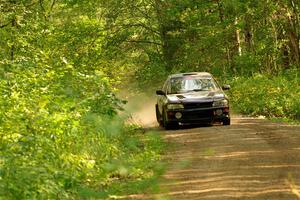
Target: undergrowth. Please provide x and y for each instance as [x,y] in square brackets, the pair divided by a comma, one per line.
[61,138]
[269,96]
[84,165]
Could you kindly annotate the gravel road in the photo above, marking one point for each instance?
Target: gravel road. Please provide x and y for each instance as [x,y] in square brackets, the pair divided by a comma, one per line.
[250,159]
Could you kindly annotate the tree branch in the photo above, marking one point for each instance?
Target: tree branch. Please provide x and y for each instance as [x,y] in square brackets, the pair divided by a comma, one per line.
[42,6]
[143,41]
[143,26]
[4,25]
[52,5]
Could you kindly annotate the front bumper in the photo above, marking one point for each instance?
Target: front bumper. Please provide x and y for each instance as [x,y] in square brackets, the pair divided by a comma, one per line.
[198,115]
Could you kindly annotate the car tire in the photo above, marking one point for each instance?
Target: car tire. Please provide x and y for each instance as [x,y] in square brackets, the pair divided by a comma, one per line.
[168,125]
[226,122]
[158,116]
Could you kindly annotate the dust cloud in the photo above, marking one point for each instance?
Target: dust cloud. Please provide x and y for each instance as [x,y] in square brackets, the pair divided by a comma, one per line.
[141,110]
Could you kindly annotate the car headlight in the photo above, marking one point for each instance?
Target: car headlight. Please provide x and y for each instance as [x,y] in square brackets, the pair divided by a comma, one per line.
[175,106]
[221,103]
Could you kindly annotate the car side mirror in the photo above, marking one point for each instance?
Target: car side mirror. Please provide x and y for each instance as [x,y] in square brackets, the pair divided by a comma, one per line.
[226,87]
[160,92]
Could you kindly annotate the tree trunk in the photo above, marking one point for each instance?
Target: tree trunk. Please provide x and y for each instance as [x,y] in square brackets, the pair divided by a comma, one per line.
[12,49]
[292,29]
[248,34]
[238,39]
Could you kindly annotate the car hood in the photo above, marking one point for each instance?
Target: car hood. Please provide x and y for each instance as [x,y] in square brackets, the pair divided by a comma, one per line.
[201,96]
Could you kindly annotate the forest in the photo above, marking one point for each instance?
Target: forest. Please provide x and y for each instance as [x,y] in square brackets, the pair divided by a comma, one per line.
[64,62]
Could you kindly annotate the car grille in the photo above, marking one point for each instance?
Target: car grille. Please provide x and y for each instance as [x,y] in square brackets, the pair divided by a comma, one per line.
[196,115]
[197,105]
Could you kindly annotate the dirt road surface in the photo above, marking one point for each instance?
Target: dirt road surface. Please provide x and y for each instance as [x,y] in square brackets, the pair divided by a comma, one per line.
[250,159]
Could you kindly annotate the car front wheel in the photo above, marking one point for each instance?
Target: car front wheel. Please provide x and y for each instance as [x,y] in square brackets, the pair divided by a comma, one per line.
[168,125]
[226,122]
[158,116]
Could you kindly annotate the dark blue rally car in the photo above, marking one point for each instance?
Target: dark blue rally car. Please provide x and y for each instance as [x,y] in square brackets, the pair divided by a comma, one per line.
[192,98]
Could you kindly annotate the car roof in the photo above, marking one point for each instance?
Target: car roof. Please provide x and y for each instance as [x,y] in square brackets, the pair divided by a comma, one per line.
[199,74]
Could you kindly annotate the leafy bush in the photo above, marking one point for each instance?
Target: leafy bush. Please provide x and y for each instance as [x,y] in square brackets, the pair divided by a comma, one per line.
[59,133]
[270,96]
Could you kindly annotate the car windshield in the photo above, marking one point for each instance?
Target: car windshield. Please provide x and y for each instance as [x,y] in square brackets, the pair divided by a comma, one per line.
[187,84]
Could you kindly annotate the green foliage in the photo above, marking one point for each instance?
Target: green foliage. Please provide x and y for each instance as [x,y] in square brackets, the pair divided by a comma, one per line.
[62,61]
[247,64]
[153,73]
[270,96]
[226,37]
[60,134]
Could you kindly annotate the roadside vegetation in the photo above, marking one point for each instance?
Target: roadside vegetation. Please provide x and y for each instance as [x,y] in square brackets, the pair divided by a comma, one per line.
[61,136]
[63,61]
[268,96]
